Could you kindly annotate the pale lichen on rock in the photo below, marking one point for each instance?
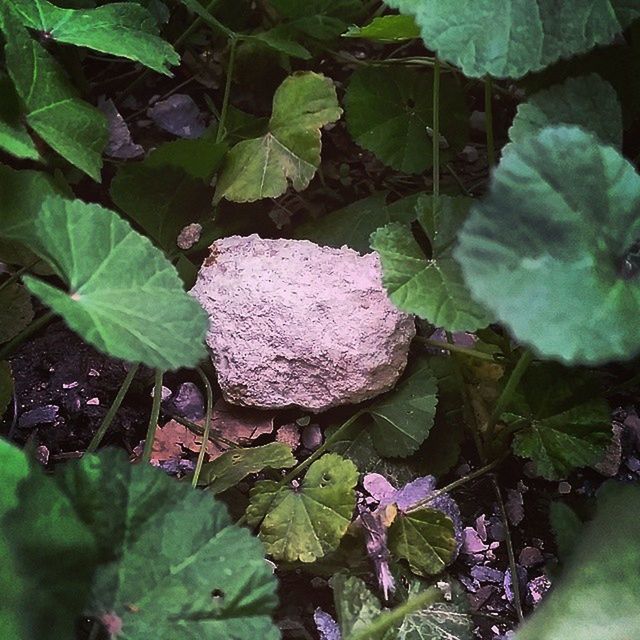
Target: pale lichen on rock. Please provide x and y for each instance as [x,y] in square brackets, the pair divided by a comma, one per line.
[295,324]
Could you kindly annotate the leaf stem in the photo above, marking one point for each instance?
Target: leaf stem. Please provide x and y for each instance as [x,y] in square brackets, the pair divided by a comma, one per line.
[15,276]
[198,430]
[515,583]
[7,350]
[320,451]
[436,131]
[488,120]
[153,418]
[388,618]
[220,134]
[507,392]
[207,428]
[113,409]
[454,348]
[456,484]
[194,25]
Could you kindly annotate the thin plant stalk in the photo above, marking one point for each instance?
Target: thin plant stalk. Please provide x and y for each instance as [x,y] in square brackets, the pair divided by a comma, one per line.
[515,583]
[436,131]
[387,619]
[320,451]
[7,350]
[194,427]
[207,427]
[507,392]
[153,418]
[113,409]
[488,119]
[456,484]
[454,348]
[15,276]
[220,134]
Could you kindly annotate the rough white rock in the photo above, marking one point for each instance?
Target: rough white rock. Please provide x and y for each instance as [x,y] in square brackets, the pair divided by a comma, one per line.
[295,324]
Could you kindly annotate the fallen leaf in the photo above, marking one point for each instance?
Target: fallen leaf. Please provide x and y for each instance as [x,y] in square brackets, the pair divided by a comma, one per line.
[241,424]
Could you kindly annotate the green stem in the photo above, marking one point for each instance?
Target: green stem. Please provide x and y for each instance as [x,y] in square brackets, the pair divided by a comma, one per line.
[194,25]
[320,451]
[113,409]
[436,131]
[515,584]
[456,484]
[15,276]
[207,428]
[153,418]
[198,430]
[387,619]
[7,350]
[507,392]
[220,134]
[472,353]
[488,119]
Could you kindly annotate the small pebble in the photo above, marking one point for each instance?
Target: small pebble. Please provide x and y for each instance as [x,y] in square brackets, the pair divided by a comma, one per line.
[471,541]
[537,588]
[487,574]
[530,557]
[311,437]
[564,487]
[40,415]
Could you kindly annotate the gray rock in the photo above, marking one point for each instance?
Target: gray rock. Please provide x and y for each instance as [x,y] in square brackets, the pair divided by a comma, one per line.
[296,324]
[187,402]
[45,414]
[178,114]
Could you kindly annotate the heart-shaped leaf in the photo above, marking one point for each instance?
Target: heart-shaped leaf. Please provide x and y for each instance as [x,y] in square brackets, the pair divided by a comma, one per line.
[207,578]
[557,444]
[124,29]
[124,297]
[510,38]
[353,225]
[432,288]
[232,466]
[303,522]
[389,112]
[75,129]
[403,417]
[16,311]
[600,588]
[14,138]
[586,101]
[290,150]
[48,554]
[425,538]
[553,248]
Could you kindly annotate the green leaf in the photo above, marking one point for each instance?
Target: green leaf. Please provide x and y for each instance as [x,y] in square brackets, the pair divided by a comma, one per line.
[22,194]
[206,577]
[304,522]
[432,288]
[279,39]
[447,620]
[356,606]
[14,138]
[389,112]
[124,29]
[75,129]
[587,101]
[16,311]
[199,157]
[290,150]
[559,443]
[234,465]
[6,388]
[161,199]
[567,528]
[48,554]
[599,591]
[552,249]
[319,19]
[124,297]
[403,417]
[386,29]
[510,38]
[425,538]
[353,225]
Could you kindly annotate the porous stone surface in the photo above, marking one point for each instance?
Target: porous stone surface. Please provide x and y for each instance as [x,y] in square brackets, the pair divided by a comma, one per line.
[295,324]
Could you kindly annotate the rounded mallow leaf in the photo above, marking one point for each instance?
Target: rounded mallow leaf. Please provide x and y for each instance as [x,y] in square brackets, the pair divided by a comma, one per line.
[124,297]
[554,248]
